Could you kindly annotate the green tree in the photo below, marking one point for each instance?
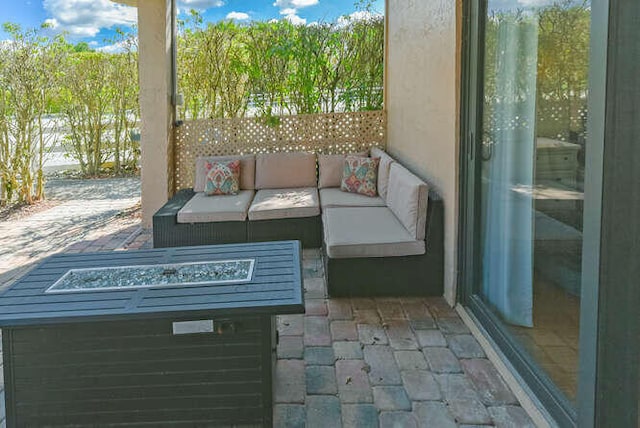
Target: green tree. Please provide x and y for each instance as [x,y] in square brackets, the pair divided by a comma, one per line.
[124,98]
[280,68]
[268,49]
[88,98]
[363,84]
[82,47]
[563,67]
[210,68]
[27,82]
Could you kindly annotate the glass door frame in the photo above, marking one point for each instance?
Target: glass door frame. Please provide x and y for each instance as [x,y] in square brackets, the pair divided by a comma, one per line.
[609,392]
[609,372]
[538,382]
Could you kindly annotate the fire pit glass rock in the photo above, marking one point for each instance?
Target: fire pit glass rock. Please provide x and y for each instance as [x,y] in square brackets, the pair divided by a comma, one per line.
[180,274]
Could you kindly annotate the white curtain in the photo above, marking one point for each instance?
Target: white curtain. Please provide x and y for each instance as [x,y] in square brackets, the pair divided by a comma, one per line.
[508,166]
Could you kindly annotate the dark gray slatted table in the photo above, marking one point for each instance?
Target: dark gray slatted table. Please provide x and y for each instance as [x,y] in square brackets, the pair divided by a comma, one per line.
[192,355]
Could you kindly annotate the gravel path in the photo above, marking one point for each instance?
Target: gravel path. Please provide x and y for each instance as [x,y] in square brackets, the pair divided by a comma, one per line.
[82,211]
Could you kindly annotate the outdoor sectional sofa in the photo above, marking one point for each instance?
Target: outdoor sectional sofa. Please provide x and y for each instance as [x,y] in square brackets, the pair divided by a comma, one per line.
[390,244]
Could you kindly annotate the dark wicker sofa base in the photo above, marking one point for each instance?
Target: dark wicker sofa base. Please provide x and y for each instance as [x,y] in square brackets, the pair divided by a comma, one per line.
[421,275]
[308,230]
[383,276]
[167,232]
[376,276]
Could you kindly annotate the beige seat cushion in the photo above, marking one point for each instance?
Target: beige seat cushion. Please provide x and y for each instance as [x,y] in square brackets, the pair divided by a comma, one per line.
[207,209]
[367,232]
[285,170]
[333,198]
[247,171]
[273,204]
[407,197]
[383,170]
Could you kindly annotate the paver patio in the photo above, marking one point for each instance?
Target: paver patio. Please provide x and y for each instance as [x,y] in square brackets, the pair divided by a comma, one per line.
[360,362]
[85,214]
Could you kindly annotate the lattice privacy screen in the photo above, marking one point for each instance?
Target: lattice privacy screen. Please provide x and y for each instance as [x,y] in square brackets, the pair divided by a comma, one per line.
[319,133]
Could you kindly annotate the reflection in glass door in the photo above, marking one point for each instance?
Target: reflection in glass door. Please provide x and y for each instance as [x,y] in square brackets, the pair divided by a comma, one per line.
[531,174]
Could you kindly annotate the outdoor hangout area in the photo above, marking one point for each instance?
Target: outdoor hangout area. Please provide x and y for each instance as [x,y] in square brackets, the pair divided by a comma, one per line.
[319,213]
[379,226]
[287,283]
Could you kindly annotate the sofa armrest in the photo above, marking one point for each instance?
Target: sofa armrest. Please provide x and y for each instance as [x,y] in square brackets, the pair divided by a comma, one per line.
[175,204]
[167,232]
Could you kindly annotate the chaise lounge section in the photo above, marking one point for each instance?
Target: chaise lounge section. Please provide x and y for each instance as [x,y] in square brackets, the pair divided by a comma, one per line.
[396,247]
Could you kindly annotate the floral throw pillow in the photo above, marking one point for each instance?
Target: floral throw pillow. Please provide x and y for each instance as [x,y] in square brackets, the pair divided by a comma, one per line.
[223,178]
[360,175]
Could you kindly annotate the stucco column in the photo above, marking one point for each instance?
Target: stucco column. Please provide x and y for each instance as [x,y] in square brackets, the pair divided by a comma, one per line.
[421,101]
[156,112]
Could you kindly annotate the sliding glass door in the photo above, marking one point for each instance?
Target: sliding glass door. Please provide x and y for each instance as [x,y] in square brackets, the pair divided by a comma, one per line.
[527,81]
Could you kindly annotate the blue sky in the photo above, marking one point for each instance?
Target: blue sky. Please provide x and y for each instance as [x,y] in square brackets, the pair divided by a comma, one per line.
[93,21]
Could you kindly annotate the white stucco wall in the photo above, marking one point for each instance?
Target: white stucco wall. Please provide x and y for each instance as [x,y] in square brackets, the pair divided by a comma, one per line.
[156,113]
[422,98]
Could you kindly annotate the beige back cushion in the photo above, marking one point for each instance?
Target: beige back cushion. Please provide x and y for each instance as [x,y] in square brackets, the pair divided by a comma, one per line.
[285,170]
[383,170]
[247,171]
[407,197]
[330,168]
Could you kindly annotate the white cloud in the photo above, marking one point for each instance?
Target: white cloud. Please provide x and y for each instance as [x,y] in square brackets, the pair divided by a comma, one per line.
[289,9]
[295,4]
[361,15]
[239,16]
[295,19]
[200,4]
[85,18]
[112,49]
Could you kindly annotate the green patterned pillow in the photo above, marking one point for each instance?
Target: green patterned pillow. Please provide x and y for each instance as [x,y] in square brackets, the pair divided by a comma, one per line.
[223,178]
[360,175]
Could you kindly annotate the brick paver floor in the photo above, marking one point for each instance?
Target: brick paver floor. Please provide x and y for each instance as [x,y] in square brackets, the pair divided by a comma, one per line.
[351,362]
[387,362]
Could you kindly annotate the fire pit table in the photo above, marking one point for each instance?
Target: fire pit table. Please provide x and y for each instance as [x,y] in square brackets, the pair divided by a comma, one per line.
[177,336]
